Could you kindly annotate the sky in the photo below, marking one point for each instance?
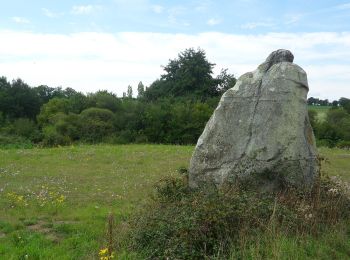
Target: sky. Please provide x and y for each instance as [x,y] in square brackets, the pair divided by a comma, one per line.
[110,44]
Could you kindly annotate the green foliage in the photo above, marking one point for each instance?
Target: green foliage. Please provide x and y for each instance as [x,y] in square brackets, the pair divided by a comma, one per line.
[225,81]
[190,76]
[70,126]
[97,124]
[140,90]
[129,92]
[17,99]
[313,118]
[53,138]
[51,109]
[335,129]
[319,102]
[173,109]
[106,100]
[345,103]
[343,144]
[193,224]
[26,128]
[13,141]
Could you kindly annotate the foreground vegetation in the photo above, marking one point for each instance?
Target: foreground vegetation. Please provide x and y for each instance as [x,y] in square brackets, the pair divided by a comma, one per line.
[238,222]
[93,180]
[55,203]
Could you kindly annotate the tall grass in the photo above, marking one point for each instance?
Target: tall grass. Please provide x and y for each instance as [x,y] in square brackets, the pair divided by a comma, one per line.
[238,222]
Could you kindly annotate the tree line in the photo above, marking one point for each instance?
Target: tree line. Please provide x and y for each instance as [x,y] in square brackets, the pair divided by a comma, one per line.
[334,128]
[173,109]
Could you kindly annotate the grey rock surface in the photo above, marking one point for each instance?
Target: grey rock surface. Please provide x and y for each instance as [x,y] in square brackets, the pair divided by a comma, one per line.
[260,132]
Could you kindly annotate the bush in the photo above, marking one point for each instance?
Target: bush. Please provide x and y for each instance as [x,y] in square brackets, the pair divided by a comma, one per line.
[313,118]
[53,138]
[70,126]
[181,223]
[97,124]
[324,143]
[26,128]
[122,137]
[343,144]
[13,141]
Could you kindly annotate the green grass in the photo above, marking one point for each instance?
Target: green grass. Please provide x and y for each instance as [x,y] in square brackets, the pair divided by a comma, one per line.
[337,162]
[94,180]
[321,112]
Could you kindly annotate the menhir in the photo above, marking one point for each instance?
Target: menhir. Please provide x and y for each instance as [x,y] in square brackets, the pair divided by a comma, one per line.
[260,132]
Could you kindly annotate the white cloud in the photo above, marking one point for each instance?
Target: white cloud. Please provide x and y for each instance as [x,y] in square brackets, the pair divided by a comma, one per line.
[50,14]
[18,19]
[84,9]
[213,21]
[203,6]
[175,15]
[254,25]
[158,9]
[343,6]
[294,18]
[91,61]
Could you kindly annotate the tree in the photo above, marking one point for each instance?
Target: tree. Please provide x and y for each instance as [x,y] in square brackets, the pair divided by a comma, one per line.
[335,128]
[345,103]
[225,81]
[105,99]
[49,110]
[18,100]
[335,103]
[45,93]
[140,90]
[21,101]
[189,75]
[129,92]
[5,100]
[97,124]
[318,102]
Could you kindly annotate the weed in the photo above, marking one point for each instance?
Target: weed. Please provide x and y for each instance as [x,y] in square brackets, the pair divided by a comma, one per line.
[194,224]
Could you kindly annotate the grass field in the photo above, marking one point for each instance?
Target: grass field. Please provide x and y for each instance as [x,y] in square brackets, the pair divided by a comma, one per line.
[68,192]
[54,202]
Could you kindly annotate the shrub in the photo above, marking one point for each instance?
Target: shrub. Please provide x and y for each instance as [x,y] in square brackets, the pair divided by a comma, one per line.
[97,124]
[123,137]
[324,143]
[13,141]
[343,144]
[313,118]
[26,128]
[69,125]
[53,138]
[181,223]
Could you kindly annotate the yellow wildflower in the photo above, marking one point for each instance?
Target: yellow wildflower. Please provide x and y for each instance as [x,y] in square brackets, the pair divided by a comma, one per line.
[61,199]
[103,251]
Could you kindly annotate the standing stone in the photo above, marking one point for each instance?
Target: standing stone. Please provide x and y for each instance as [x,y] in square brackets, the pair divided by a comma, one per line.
[260,132]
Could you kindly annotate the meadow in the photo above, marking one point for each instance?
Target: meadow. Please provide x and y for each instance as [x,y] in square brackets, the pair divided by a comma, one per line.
[55,201]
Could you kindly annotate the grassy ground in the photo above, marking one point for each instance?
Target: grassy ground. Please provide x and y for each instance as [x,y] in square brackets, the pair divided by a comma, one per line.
[54,202]
[321,112]
[68,192]
[337,162]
